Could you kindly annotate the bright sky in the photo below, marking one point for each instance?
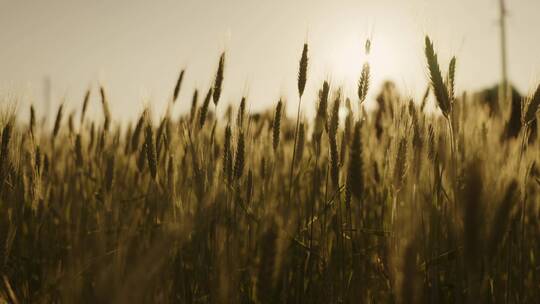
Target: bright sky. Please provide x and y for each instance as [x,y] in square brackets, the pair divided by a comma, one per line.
[136,48]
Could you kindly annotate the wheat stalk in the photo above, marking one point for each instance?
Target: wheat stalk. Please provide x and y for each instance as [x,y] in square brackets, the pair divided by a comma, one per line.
[218,81]
[276,125]
[178,85]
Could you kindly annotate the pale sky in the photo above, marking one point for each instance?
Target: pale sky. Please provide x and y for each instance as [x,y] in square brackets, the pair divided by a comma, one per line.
[137,48]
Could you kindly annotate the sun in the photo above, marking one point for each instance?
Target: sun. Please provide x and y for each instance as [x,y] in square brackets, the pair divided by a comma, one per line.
[345,55]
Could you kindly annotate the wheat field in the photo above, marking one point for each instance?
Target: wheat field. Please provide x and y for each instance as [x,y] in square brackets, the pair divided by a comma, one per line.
[395,205]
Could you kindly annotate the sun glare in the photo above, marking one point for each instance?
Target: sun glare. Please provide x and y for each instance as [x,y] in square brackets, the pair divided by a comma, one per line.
[344,57]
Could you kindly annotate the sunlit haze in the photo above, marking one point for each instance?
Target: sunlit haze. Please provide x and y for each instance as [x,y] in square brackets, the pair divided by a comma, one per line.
[136,49]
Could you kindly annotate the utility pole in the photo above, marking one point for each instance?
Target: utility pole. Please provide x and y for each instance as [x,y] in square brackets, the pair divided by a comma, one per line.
[504,87]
